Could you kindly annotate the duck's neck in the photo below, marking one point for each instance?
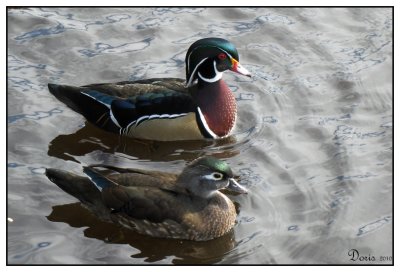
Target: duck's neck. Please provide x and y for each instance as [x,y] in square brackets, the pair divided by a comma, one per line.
[217,105]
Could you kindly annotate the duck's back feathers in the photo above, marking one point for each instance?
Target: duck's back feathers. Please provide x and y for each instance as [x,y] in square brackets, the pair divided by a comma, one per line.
[139,109]
[145,192]
[136,177]
[126,89]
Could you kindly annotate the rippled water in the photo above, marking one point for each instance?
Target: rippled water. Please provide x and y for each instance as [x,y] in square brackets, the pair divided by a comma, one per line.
[313,141]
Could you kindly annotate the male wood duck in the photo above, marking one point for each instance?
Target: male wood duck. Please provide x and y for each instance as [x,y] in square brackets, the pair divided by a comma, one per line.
[165,109]
[186,206]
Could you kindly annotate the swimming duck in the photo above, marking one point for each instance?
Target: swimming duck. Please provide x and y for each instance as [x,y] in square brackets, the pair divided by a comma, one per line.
[165,109]
[186,206]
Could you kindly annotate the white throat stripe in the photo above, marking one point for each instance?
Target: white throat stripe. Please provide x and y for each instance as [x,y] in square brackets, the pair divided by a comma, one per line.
[218,75]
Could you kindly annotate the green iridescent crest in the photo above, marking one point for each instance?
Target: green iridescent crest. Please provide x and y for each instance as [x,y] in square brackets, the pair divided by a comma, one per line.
[215,164]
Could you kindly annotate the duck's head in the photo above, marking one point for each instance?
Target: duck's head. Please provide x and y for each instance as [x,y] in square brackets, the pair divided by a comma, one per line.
[208,58]
[206,175]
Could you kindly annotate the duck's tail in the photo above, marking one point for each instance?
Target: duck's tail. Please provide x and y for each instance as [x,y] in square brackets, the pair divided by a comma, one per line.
[93,105]
[79,187]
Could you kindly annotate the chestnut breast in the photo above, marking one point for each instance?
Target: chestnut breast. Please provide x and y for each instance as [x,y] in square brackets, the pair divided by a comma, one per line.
[218,105]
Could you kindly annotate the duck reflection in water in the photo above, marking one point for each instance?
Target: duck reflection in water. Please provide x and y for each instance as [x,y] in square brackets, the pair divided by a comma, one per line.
[90,138]
[185,251]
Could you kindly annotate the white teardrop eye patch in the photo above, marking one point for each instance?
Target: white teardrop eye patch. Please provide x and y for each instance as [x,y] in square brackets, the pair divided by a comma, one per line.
[214,176]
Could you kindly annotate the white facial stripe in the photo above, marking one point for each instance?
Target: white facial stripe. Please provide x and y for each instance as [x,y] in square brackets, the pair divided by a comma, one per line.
[204,122]
[229,55]
[210,177]
[189,83]
[188,60]
[218,75]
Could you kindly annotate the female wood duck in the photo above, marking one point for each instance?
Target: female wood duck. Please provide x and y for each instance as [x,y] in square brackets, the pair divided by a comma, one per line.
[165,109]
[186,206]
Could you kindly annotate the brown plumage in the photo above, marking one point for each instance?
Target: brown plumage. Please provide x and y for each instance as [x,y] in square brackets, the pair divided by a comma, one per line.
[186,206]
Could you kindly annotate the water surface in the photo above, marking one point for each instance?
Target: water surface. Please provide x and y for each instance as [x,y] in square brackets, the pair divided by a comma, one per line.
[313,141]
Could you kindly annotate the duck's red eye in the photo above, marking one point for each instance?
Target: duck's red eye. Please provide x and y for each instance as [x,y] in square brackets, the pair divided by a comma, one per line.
[222,56]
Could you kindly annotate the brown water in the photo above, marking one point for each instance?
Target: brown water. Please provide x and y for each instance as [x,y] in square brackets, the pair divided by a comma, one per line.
[313,141]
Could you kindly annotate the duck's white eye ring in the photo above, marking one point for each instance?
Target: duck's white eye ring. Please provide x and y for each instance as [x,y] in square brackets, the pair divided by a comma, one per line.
[214,176]
[217,176]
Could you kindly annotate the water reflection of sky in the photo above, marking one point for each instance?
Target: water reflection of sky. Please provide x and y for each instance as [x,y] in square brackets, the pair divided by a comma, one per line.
[313,143]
